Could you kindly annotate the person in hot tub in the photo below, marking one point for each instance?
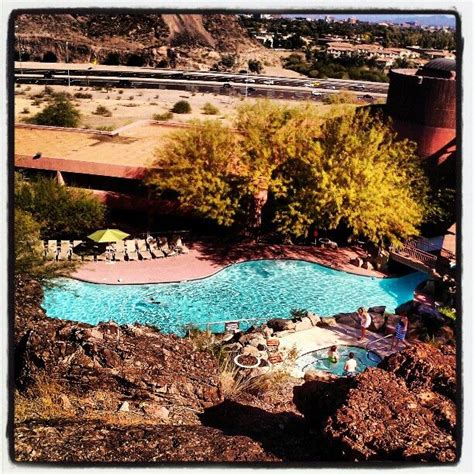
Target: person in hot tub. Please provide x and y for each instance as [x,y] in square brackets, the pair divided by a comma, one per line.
[350,365]
[333,355]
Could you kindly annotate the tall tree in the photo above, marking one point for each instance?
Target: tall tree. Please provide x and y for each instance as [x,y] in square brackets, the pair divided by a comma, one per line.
[201,165]
[358,176]
[271,134]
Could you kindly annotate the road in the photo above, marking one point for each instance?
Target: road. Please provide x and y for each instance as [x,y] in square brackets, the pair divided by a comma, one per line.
[215,82]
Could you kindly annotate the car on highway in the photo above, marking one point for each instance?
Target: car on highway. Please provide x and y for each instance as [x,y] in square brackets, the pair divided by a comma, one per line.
[269,82]
[48,74]
[251,89]
[368,96]
[332,87]
[315,84]
[316,93]
[308,84]
[249,79]
[226,85]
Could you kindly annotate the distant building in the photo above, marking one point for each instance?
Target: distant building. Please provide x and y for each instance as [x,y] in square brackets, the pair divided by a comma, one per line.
[422,105]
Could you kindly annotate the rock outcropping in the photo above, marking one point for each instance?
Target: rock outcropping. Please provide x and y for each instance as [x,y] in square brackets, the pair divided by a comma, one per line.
[403,411]
[147,39]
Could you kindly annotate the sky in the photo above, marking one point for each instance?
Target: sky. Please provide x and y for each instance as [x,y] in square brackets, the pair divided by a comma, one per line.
[426,20]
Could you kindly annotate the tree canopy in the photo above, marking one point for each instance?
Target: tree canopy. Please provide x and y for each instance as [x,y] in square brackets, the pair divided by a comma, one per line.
[349,171]
[59,210]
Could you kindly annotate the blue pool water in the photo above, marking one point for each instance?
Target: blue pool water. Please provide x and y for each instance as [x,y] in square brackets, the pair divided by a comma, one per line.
[261,289]
[318,360]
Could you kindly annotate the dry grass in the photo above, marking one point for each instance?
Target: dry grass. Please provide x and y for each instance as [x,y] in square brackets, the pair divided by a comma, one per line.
[44,403]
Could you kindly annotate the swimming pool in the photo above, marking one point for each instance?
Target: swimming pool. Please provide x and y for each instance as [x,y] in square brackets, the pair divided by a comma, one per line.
[261,289]
[319,360]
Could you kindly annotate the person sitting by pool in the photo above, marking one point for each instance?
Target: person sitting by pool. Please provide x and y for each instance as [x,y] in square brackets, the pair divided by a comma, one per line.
[400,331]
[350,365]
[365,320]
[333,355]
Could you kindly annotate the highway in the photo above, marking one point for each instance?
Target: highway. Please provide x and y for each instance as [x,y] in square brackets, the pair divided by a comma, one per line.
[215,82]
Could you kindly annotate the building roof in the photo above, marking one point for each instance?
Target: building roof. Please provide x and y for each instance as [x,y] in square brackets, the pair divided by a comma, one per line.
[125,155]
[440,67]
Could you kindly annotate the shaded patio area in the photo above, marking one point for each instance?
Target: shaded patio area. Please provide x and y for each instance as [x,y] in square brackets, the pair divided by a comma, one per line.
[206,259]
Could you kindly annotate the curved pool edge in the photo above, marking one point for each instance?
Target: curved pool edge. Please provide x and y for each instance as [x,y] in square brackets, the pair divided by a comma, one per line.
[211,274]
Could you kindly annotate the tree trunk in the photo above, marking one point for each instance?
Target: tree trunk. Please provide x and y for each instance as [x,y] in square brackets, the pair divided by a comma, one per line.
[255,220]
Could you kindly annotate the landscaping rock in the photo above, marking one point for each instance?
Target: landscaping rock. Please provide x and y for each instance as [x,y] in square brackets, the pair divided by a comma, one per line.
[124,407]
[318,376]
[281,324]
[304,324]
[65,402]
[326,322]
[156,411]
[280,334]
[267,332]
[313,318]
[348,319]
[378,322]
[391,321]
[258,341]
[357,261]
[251,350]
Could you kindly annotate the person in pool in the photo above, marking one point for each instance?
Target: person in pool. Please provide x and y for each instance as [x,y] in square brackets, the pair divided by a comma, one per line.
[350,365]
[365,320]
[333,355]
[400,331]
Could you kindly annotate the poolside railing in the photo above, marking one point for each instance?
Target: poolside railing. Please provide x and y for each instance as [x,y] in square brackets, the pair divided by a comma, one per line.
[234,325]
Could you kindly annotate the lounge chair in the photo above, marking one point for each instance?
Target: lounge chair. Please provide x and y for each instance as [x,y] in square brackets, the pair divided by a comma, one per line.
[130,248]
[51,249]
[65,246]
[119,250]
[180,247]
[165,248]
[155,251]
[142,250]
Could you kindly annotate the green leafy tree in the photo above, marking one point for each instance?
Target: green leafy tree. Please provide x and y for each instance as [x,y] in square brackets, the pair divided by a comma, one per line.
[201,165]
[181,107]
[255,66]
[28,251]
[60,210]
[358,175]
[271,134]
[59,113]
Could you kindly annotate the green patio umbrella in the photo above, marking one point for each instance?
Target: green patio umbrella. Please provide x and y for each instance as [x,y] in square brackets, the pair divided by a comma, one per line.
[107,235]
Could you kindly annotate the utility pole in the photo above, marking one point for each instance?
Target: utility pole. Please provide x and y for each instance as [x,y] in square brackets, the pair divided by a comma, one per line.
[67,62]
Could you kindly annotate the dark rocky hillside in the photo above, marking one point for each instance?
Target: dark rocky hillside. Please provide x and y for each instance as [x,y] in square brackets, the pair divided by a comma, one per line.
[110,393]
[190,41]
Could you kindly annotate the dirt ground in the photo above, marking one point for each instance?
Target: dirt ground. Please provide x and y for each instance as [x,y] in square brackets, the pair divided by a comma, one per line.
[129,105]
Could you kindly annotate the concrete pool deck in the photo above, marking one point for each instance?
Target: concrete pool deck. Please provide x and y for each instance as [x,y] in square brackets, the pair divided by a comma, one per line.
[205,259]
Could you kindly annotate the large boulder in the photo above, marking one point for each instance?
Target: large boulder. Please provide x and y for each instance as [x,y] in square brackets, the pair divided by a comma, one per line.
[278,324]
[348,319]
[424,367]
[382,420]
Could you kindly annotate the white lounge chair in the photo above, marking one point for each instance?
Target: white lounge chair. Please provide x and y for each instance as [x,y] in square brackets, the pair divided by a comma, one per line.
[130,248]
[51,249]
[142,250]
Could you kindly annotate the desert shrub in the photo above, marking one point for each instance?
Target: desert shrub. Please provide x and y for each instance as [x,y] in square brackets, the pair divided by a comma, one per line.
[131,97]
[60,113]
[26,110]
[106,128]
[448,312]
[164,116]
[132,104]
[340,98]
[181,107]
[102,110]
[82,95]
[120,91]
[209,109]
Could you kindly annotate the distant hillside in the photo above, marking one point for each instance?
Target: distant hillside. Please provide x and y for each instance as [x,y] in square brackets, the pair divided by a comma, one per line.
[191,41]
